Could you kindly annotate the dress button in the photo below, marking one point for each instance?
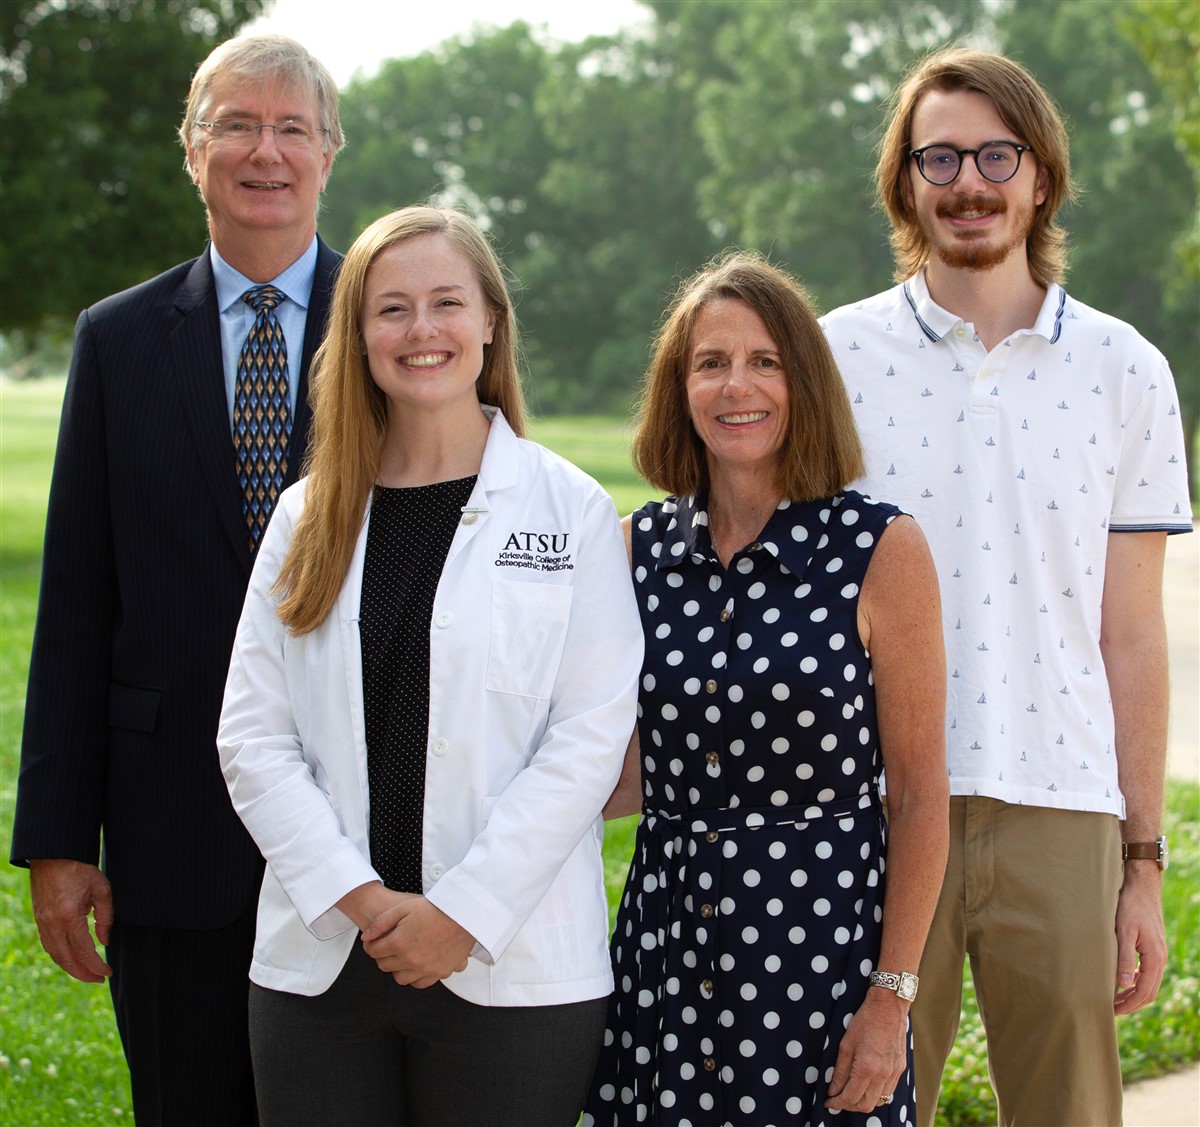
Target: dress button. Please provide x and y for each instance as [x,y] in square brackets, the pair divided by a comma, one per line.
[706,910]
[439,747]
[709,1064]
[437,872]
[707,987]
[755,547]
[712,835]
[726,615]
[710,686]
[443,620]
[713,758]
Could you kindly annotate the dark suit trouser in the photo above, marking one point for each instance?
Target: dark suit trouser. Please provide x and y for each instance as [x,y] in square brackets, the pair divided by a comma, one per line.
[368,1052]
[180,1000]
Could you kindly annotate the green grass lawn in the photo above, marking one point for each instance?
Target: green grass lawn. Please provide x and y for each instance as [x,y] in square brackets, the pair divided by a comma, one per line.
[60,1059]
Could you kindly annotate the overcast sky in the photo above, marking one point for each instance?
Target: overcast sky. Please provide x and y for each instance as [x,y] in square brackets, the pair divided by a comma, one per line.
[357,35]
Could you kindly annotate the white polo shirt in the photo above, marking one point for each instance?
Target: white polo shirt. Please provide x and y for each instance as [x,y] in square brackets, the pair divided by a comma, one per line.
[1017,463]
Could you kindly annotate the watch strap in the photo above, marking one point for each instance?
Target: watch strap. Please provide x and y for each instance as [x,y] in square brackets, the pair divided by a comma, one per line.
[1155,850]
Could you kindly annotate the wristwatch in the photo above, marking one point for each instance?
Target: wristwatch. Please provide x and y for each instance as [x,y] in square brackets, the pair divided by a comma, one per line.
[904,984]
[1155,851]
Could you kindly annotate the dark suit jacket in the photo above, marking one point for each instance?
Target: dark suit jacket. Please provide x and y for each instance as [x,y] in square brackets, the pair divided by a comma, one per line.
[143,575]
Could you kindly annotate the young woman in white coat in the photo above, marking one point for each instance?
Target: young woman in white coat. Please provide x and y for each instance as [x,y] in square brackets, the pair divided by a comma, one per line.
[430,695]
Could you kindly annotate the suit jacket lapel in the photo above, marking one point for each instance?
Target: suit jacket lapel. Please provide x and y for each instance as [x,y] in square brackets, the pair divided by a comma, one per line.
[314,331]
[196,350]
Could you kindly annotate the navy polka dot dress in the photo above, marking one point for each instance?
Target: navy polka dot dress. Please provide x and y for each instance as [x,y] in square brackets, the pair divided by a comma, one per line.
[752,913]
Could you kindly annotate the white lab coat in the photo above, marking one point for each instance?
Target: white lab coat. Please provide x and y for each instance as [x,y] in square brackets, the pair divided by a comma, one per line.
[535,651]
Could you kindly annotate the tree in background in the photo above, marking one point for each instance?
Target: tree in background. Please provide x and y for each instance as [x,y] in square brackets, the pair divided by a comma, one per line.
[790,116]
[582,163]
[92,187]
[457,125]
[609,169]
[625,223]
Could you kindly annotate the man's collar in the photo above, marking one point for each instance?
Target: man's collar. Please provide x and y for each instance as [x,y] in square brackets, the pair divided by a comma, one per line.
[936,322]
[296,281]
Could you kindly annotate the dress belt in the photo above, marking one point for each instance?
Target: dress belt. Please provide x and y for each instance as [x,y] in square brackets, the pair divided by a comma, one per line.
[732,819]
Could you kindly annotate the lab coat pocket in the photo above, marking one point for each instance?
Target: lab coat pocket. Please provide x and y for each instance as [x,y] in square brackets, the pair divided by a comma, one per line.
[529,630]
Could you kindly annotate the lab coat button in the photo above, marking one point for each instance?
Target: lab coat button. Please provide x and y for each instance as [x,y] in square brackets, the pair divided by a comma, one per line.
[436,872]
[443,620]
[439,747]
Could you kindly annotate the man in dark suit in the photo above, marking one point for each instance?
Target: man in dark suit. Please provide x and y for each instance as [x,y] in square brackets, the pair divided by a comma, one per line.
[186,411]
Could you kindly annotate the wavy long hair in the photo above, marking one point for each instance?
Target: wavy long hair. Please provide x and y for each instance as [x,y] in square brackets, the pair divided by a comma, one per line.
[1024,106]
[350,412]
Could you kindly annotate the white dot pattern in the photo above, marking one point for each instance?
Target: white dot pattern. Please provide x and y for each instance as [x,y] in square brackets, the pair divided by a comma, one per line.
[750,919]
[407,541]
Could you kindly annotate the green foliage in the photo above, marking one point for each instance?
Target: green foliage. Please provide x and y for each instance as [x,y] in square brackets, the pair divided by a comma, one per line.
[608,170]
[790,118]
[454,126]
[582,164]
[94,194]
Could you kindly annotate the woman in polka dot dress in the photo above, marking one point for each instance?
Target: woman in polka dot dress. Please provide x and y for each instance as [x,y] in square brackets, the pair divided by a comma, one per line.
[793,647]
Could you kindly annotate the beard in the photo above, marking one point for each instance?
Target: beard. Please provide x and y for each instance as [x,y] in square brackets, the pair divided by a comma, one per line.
[971,250]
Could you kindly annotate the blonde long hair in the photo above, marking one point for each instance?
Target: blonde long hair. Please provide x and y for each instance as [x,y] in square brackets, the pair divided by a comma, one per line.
[350,412]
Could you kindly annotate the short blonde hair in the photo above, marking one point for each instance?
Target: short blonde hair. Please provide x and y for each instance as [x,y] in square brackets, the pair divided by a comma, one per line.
[821,453]
[262,59]
[1023,105]
[350,412]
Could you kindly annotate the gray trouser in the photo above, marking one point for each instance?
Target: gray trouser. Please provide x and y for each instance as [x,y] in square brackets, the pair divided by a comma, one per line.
[368,1051]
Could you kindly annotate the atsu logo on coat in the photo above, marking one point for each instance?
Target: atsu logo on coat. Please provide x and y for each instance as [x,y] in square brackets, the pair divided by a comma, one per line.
[554,542]
[540,551]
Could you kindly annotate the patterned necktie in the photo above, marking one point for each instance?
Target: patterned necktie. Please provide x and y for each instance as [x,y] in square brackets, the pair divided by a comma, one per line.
[261,416]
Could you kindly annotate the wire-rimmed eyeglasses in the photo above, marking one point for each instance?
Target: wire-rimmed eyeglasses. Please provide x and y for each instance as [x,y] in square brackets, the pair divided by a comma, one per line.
[997,161]
[290,133]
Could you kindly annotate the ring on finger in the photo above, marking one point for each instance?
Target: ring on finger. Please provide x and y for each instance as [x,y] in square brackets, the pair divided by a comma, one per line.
[885,1100]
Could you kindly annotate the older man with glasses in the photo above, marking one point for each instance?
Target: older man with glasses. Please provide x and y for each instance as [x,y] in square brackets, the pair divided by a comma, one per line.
[1038,443]
[186,413]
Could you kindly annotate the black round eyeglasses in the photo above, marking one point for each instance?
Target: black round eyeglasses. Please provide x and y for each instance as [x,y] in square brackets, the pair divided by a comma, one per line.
[997,161]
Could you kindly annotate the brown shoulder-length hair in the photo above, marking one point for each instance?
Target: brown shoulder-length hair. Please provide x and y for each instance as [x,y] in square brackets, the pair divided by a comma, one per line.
[1023,106]
[821,453]
[350,412]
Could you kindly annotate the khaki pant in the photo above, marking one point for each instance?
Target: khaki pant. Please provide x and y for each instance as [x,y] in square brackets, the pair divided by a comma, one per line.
[1030,897]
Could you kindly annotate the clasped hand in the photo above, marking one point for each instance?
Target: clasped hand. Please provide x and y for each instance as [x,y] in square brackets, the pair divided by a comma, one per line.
[417,943]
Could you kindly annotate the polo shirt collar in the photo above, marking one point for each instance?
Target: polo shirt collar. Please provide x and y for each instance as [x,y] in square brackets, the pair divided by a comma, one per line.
[936,322]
